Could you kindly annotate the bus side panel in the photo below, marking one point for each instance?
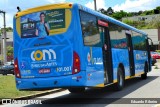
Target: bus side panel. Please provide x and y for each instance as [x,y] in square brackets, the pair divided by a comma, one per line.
[78,79]
[139,58]
[93,73]
[94,66]
[120,56]
[78,46]
[17,40]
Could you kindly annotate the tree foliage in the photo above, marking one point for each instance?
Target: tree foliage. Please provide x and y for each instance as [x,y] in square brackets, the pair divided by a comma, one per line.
[154,24]
[109,11]
[8,29]
[9,50]
[158,8]
[120,14]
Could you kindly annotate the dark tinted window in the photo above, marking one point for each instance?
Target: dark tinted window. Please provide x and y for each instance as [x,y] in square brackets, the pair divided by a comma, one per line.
[91,36]
[139,41]
[117,36]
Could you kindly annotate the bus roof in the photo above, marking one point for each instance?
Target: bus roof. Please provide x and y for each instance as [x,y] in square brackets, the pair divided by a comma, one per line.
[45,7]
[110,19]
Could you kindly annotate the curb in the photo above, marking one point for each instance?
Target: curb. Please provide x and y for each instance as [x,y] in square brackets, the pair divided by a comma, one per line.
[35,95]
[39,94]
[158,105]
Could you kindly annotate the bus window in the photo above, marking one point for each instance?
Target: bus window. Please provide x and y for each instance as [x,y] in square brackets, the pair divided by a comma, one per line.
[117,36]
[91,36]
[139,41]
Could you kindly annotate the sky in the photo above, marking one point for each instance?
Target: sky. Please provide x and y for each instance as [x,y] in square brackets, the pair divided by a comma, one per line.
[9,6]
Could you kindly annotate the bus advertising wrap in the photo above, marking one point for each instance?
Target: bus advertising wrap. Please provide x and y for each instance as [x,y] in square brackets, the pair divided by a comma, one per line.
[42,23]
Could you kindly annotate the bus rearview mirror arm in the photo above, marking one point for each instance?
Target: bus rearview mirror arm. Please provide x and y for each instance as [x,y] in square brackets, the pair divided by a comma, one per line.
[150,40]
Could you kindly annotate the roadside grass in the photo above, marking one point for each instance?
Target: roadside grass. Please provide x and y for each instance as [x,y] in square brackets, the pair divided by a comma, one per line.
[156,67]
[8,88]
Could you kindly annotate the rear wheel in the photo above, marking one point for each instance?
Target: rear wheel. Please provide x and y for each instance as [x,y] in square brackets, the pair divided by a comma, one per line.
[120,80]
[144,76]
[77,90]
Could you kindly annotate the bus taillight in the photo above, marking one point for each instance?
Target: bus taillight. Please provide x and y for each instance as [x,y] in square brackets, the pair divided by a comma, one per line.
[76,63]
[16,69]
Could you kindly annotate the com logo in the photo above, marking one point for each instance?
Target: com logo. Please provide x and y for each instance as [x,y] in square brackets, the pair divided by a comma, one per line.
[44,54]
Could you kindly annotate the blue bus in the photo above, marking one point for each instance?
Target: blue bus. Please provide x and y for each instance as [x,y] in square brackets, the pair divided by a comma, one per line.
[71,46]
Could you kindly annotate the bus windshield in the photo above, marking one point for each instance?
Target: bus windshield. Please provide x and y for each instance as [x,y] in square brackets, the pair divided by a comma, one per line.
[44,23]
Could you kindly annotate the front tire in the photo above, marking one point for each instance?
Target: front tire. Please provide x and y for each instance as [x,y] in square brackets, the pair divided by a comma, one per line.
[77,90]
[120,80]
[144,76]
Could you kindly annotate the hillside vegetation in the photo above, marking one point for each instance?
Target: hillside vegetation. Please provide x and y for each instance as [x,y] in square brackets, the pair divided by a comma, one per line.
[138,24]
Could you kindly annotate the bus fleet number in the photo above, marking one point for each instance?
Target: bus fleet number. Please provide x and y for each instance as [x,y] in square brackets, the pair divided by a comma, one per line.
[61,69]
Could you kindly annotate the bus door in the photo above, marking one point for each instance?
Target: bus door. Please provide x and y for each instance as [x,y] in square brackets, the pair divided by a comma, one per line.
[130,51]
[106,49]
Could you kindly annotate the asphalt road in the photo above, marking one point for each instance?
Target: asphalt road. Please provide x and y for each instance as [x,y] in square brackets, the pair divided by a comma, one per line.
[135,89]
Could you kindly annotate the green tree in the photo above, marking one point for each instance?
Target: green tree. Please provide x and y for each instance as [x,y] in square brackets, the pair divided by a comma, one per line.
[158,8]
[0,32]
[129,22]
[9,51]
[148,12]
[137,24]
[8,29]
[119,15]
[110,11]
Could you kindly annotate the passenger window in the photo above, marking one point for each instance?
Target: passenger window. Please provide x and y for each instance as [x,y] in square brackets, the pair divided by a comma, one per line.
[91,35]
[139,41]
[117,36]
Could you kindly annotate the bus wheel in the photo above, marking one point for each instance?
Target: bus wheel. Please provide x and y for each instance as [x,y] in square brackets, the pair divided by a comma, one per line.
[77,90]
[120,80]
[144,76]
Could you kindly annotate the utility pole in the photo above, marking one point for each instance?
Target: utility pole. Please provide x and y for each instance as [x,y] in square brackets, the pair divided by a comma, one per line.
[1,44]
[95,5]
[4,34]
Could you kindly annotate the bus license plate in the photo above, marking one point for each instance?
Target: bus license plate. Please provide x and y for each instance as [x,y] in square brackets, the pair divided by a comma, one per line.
[44,71]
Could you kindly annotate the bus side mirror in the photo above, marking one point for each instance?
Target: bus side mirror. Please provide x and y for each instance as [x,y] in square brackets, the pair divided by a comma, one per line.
[151,43]
[152,48]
